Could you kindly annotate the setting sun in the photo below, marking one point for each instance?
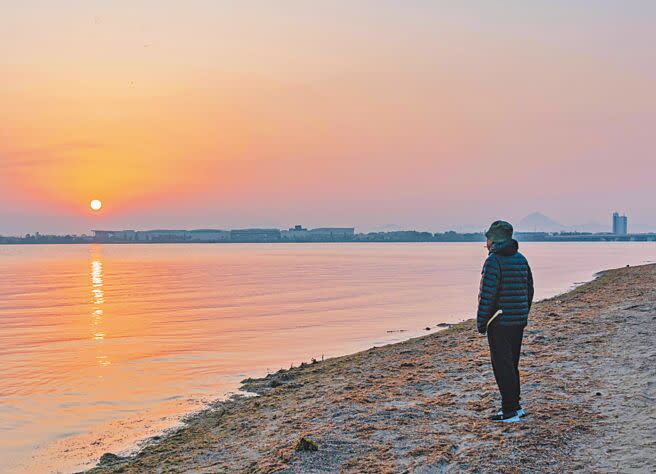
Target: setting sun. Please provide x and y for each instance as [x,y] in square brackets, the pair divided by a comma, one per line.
[96,204]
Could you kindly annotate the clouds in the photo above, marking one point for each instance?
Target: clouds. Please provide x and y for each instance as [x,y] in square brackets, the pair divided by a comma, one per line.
[366,112]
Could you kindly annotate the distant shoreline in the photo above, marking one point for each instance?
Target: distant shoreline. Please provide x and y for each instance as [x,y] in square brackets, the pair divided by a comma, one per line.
[594,238]
[300,234]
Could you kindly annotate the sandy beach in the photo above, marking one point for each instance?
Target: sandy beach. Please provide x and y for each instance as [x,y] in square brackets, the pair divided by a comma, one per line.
[588,384]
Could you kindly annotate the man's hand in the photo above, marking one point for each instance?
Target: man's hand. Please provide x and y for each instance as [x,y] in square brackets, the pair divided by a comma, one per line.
[482,329]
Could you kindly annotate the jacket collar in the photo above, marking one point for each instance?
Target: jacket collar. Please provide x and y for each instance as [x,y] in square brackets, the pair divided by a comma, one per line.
[506,248]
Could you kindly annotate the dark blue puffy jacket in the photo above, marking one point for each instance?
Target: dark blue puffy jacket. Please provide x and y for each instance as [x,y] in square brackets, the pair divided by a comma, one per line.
[506,284]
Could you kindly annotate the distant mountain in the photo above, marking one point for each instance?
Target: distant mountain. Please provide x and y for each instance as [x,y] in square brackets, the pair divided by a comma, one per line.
[538,222]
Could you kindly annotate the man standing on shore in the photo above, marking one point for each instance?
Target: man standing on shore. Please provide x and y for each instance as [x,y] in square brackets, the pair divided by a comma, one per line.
[504,301]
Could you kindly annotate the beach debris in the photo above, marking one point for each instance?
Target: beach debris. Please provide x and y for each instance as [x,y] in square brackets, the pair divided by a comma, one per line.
[427,329]
[444,325]
[306,444]
[110,458]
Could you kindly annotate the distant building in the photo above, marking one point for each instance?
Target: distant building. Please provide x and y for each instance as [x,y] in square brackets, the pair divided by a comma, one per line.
[332,233]
[297,233]
[396,236]
[114,235]
[209,235]
[255,235]
[323,234]
[163,235]
[620,224]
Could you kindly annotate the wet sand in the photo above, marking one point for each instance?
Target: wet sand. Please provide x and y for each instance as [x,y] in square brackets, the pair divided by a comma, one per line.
[588,383]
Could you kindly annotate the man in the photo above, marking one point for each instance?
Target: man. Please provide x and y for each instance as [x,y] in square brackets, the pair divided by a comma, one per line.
[506,285]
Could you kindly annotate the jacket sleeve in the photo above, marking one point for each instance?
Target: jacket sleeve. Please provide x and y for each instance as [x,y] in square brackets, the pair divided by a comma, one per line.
[487,295]
[531,290]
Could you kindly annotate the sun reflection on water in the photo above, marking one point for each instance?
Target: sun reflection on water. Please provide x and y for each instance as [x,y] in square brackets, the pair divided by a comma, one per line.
[98,313]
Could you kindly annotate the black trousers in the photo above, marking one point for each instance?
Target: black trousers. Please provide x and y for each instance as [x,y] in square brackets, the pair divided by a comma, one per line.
[505,347]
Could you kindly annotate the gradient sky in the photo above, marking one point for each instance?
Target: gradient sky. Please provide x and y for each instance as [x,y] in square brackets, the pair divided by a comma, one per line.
[377,114]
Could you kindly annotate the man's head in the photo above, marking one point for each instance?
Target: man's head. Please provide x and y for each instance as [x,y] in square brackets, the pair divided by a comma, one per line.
[499,231]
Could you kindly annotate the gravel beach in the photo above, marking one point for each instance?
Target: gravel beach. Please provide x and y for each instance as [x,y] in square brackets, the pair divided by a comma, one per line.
[588,384]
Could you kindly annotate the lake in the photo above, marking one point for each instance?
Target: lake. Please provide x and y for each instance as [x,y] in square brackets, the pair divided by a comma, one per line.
[103,345]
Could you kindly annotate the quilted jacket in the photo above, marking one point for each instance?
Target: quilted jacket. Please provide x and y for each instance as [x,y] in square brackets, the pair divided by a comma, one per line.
[506,284]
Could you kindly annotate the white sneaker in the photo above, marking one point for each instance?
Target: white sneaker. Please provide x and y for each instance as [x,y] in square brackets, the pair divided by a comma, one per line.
[520,412]
[511,417]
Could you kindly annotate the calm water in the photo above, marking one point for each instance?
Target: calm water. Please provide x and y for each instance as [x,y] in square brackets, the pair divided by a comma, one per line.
[103,345]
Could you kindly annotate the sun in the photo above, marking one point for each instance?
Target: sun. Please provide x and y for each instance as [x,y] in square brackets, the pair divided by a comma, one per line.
[96,204]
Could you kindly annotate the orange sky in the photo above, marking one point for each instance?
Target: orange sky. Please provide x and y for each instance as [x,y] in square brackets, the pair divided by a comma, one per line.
[418,114]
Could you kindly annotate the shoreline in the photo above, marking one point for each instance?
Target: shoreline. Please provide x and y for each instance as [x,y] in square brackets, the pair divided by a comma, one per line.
[611,238]
[422,403]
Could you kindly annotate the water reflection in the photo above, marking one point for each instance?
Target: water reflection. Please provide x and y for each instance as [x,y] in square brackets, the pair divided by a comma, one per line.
[98,312]
[110,340]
